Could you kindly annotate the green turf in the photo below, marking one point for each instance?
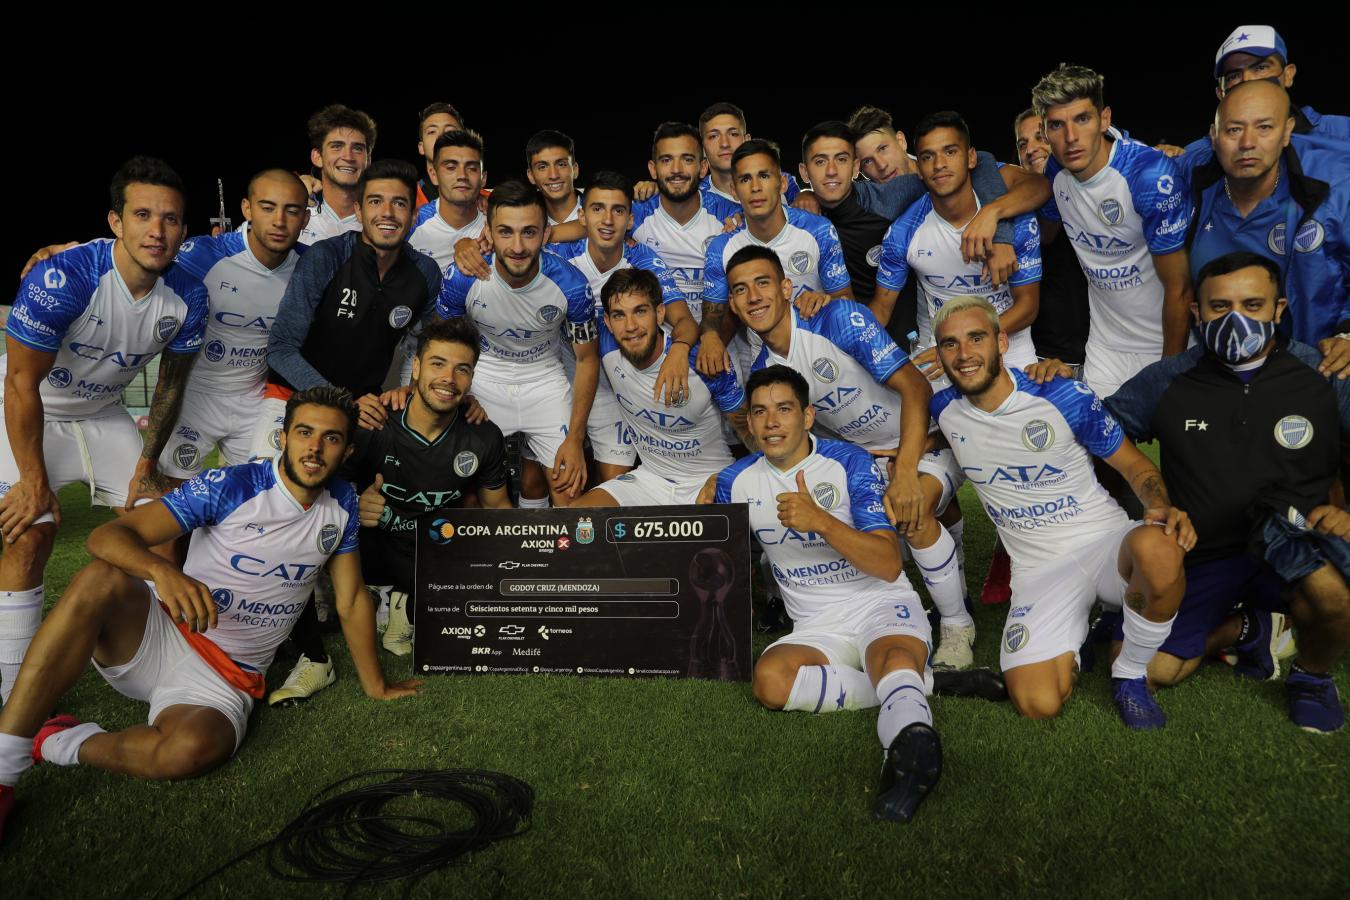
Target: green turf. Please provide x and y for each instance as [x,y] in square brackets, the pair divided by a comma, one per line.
[673,788]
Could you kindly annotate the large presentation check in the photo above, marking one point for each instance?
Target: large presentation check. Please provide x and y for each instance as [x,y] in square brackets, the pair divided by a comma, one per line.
[630,591]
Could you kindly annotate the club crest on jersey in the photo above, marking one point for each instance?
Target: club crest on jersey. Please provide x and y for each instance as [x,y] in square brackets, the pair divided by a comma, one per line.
[223,598]
[799,263]
[400,316]
[275,439]
[826,494]
[185,456]
[1037,435]
[1112,212]
[441,531]
[585,530]
[1275,240]
[1309,236]
[626,477]
[59,377]
[214,351]
[54,279]
[328,538]
[466,463]
[548,314]
[825,369]
[165,328]
[1293,432]
[1016,637]
[874,256]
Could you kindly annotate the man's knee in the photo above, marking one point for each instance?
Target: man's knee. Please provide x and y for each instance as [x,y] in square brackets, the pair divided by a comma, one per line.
[1038,703]
[1323,594]
[95,588]
[187,753]
[1166,670]
[772,683]
[29,554]
[1157,557]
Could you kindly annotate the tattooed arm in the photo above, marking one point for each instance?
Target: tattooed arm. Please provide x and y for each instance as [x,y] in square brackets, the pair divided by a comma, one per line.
[1147,483]
[716,330]
[147,481]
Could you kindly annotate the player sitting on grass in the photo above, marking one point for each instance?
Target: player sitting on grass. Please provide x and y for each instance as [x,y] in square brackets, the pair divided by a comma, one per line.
[260,533]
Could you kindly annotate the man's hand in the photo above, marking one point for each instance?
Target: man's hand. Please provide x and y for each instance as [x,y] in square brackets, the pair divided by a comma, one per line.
[799,511]
[1330,520]
[474,413]
[370,505]
[569,468]
[370,412]
[708,493]
[643,190]
[1335,357]
[470,260]
[43,255]
[807,200]
[809,303]
[977,238]
[1001,264]
[672,382]
[1169,149]
[904,500]
[20,507]
[396,690]
[187,599]
[1174,521]
[147,483]
[397,398]
[733,221]
[928,364]
[312,184]
[713,358]
[1045,369]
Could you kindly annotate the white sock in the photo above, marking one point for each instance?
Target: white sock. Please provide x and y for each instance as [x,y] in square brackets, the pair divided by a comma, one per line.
[830,688]
[900,693]
[16,755]
[1142,640]
[527,503]
[958,533]
[20,616]
[938,565]
[63,747]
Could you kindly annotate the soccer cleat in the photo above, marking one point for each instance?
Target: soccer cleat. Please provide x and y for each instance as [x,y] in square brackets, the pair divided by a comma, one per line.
[1314,702]
[398,636]
[1103,631]
[6,807]
[1256,657]
[773,617]
[306,680]
[912,768]
[998,583]
[49,728]
[1136,704]
[954,649]
[986,684]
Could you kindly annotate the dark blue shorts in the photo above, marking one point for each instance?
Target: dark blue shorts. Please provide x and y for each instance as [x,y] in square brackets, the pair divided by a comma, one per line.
[1214,590]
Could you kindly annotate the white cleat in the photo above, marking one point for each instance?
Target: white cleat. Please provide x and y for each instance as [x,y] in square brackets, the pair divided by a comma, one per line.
[955,648]
[398,636]
[306,679]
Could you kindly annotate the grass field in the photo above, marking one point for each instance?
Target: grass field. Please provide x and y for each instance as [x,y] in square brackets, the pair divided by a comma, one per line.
[674,789]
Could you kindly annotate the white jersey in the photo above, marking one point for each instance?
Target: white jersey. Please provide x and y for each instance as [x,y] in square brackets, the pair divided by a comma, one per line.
[820,587]
[807,246]
[437,238]
[324,224]
[520,328]
[846,357]
[1031,463]
[244,296]
[571,216]
[679,443]
[1134,208]
[923,241]
[259,551]
[683,248]
[77,306]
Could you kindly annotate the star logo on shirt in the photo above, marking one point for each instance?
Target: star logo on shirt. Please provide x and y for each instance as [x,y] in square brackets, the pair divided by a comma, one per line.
[234,289]
[1209,226]
[839,701]
[1064,196]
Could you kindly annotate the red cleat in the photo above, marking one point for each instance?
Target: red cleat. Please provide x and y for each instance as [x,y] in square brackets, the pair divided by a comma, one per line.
[51,727]
[6,807]
[998,583]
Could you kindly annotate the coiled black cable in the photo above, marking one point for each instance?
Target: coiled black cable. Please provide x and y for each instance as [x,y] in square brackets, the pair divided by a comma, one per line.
[349,838]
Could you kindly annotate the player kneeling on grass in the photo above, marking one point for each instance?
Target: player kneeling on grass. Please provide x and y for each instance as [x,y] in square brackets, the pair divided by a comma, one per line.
[860,637]
[1027,448]
[196,643]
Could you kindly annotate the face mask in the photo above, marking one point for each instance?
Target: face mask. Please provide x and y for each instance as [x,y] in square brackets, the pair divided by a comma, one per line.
[1234,338]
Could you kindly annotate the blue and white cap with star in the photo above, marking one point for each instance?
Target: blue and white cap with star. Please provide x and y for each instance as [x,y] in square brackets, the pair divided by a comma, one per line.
[1258,40]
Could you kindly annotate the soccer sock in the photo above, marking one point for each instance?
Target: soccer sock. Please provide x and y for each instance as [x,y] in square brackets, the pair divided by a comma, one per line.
[62,748]
[1249,626]
[830,688]
[958,533]
[939,567]
[528,503]
[900,693]
[20,616]
[16,755]
[1142,640]
[307,637]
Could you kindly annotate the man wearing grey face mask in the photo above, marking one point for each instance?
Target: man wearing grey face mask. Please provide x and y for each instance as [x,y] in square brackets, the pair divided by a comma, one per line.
[1250,435]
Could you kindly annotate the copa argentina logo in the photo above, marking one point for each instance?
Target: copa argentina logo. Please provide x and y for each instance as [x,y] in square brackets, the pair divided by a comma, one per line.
[826,494]
[400,316]
[799,263]
[466,463]
[1112,212]
[441,531]
[1016,637]
[166,328]
[1037,435]
[547,315]
[1293,432]
[825,369]
[214,351]
[328,538]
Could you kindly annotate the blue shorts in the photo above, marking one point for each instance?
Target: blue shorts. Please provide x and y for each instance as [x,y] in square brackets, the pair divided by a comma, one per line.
[1214,590]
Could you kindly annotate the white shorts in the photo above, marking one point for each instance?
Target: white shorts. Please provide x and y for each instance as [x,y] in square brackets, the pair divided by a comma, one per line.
[845,643]
[101,453]
[642,487]
[540,410]
[1105,370]
[166,672]
[941,464]
[1051,603]
[205,422]
[605,429]
[271,415]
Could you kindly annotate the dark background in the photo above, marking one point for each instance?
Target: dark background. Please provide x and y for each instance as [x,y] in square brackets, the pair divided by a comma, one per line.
[225,103]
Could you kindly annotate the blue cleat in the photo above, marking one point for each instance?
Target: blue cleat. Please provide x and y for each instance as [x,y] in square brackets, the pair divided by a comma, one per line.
[1314,703]
[911,771]
[1256,656]
[1136,704]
